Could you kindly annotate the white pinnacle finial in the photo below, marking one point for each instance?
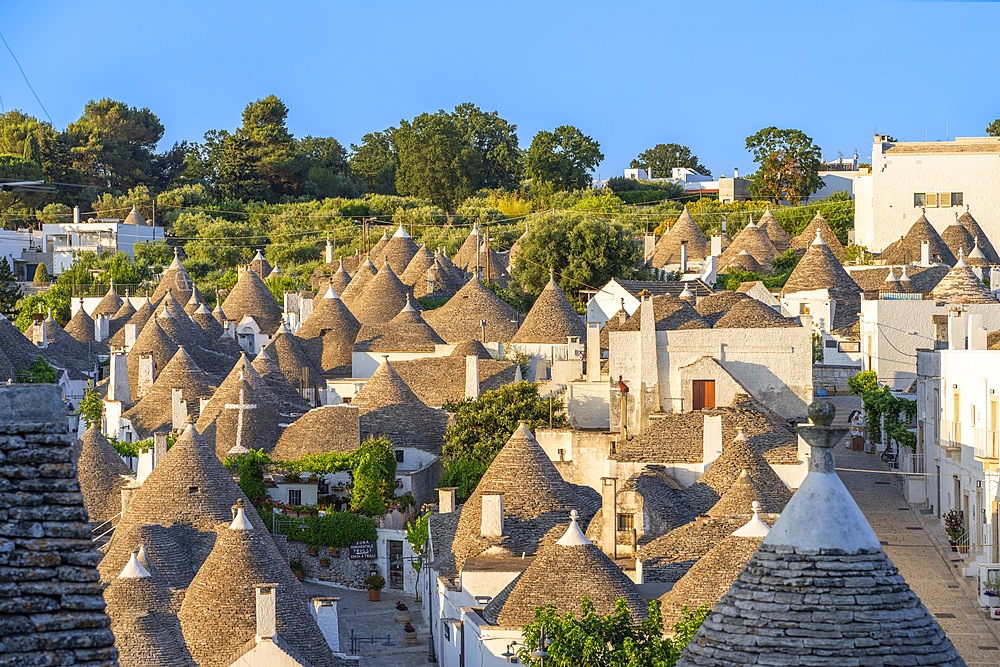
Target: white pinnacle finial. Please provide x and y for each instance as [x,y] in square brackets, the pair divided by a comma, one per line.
[330,293]
[755,527]
[240,522]
[819,237]
[401,233]
[891,276]
[133,568]
[574,537]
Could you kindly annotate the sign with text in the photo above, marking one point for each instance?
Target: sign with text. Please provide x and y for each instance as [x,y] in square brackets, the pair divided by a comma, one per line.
[364,550]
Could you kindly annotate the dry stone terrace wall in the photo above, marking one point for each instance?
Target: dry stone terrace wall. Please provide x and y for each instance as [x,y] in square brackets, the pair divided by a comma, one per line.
[51,609]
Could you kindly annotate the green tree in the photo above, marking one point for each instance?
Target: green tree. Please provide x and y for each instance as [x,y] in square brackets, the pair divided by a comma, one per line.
[435,161]
[374,476]
[418,535]
[326,168]
[563,158]
[113,145]
[10,291]
[375,161]
[993,129]
[56,297]
[35,141]
[788,164]
[584,250]
[250,468]
[612,640]
[40,372]
[494,141]
[91,407]
[661,158]
[483,426]
[41,275]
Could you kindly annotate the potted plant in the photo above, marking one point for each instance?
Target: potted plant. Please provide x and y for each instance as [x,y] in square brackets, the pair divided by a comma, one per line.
[311,549]
[402,614]
[954,526]
[325,562]
[334,552]
[409,635]
[297,569]
[991,589]
[374,583]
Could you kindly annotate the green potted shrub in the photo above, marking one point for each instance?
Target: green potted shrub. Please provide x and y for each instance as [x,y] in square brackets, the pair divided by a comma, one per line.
[954,526]
[325,562]
[374,583]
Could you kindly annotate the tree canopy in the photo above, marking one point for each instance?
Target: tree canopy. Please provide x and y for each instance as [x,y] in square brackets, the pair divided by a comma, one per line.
[789,164]
[562,158]
[993,129]
[661,158]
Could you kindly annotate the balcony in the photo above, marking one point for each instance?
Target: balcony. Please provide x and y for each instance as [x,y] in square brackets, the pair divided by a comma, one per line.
[987,444]
[951,436]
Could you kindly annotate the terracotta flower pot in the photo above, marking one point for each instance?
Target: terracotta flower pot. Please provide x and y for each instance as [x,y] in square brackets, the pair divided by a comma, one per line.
[374,594]
[312,551]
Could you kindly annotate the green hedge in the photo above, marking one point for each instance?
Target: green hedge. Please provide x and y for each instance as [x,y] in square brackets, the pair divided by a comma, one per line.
[337,529]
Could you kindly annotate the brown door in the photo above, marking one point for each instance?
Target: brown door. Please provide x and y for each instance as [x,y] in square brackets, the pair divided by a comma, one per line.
[703,394]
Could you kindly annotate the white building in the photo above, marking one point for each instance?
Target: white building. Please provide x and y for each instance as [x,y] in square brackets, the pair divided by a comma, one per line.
[942,177]
[23,250]
[64,239]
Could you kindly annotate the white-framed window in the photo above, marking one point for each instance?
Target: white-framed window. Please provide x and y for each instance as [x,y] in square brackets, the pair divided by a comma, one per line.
[294,496]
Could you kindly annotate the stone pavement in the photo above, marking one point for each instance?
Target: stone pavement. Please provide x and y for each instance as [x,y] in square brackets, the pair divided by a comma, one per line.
[918,546]
[375,620]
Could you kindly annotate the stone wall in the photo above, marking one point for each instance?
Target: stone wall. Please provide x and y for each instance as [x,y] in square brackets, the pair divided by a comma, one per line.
[833,378]
[51,608]
[341,570]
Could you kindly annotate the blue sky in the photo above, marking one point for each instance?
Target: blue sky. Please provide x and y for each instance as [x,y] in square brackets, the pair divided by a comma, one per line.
[631,75]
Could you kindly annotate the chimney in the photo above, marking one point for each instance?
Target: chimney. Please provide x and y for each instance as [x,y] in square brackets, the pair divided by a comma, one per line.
[977,332]
[492,521]
[329,252]
[127,492]
[76,215]
[622,314]
[325,611]
[711,439]
[146,374]
[40,332]
[178,408]
[131,331]
[957,328]
[925,253]
[118,388]
[471,376]
[101,323]
[266,607]
[609,516]
[995,279]
[649,245]
[145,465]
[723,226]
[159,447]
[684,257]
[736,172]
[431,281]
[593,351]
[446,499]
[716,249]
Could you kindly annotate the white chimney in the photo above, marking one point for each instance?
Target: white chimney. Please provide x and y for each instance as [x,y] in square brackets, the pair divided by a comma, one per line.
[492,521]
[736,172]
[649,245]
[178,408]
[76,215]
[101,324]
[622,314]
[131,331]
[957,328]
[593,351]
[325,612]
[609,516]
[40,332]
[711,439]
[146,374]
[145,465]
[329,252]
[925,253]
[723,224]
[266,611]
[446,499]
[716,245]
[995,279]
[118,388]
[159,447]
[471,376]
[684,257]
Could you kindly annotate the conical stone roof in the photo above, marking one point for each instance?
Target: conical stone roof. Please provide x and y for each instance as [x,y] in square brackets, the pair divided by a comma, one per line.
[251,297]
[176,281]
[908,249]
[376,250]
[470,248]
[340,279]
[364,275]
[151,340]
[819,224]
[390,408]
[295,363]
[218,616]
[328,334]
[781,240]
[110,304]
[819,269]
[551,319]
[957,238]
[154,411]
[196,300]
[204,318]
[416,270]
[134,218]
[536,499]
[140,318]
[561,575]
[81,326]
[668,247]
[407,332]
[100,470]
[260,265]
[961,285]
[454,276]
[383,298]
[820,590]
[398,251]
[328,428]
[227,427]
[755,241]
[738,498]
[459,319]
[290,401]
[471,348]
[744,261]
[977,233]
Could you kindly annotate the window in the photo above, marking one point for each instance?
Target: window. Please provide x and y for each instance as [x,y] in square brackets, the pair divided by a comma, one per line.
[938,199]
[702,394]
[193,489]
[849,346]
[957,199]
[919,199]
[626,522]
[830,343]
[803,308]
[294,496]
[399,456]
[931,200]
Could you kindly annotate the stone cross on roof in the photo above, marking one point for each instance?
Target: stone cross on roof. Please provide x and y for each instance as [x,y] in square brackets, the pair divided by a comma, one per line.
[238,448]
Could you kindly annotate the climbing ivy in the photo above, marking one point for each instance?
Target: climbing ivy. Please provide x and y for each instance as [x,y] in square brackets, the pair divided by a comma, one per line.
[883,409]
[374,468]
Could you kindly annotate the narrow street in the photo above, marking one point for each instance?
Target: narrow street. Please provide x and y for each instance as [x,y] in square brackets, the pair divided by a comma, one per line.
[917,544]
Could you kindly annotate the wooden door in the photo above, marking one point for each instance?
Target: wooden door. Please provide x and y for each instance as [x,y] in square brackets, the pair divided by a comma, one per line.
[395,564]
[703,394]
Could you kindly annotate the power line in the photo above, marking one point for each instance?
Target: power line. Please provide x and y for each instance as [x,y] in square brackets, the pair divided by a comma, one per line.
[11,52]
